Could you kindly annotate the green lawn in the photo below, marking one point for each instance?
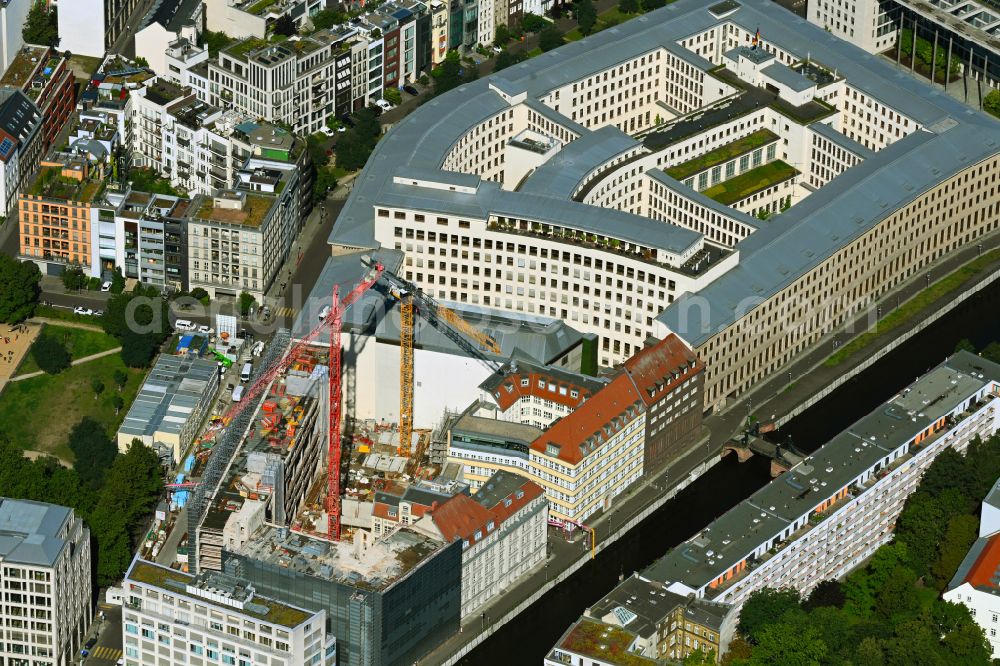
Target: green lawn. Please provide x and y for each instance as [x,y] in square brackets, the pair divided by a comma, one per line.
[38,413]
[78,341]
[915,306]
[739,188]
[537,51]
[722,154]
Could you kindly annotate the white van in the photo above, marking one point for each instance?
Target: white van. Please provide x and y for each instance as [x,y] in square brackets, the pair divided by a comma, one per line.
[184,325]
[246,371]
[238,393]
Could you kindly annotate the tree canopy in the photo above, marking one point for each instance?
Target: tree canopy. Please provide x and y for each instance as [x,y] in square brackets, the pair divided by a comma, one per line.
[41,26]
[888,611]
[246,302]
[550,38]
[50,354]
[93,449]
[19,289]
[586,16]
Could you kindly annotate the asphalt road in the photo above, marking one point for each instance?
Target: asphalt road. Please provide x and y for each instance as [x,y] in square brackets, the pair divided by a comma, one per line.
[108,649]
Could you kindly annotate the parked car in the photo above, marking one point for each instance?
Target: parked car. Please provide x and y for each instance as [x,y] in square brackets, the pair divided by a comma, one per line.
[98,313]
[91,642]
[347,120]
[80,310]
[496,49]
[383,104]
[106,286]
[206,330]
[185,325]
[410,89]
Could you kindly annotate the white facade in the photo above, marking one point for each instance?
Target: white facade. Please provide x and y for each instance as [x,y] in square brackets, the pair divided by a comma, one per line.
[843,523]
[865,23]
[12,16]
[984,608]
[233,18]
[215,621]
[161,48]
[46,577]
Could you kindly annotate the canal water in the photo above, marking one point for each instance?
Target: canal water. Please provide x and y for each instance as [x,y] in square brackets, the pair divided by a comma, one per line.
[527,638]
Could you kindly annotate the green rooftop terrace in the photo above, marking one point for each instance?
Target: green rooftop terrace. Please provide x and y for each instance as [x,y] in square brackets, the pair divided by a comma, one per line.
[722,154]
[51,184]
[170,579]
[242,48]
[258,8]
[760,178]
[604,642]
[252,214]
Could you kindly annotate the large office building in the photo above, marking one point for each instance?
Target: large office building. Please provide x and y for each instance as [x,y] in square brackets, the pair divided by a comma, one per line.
[172,617]
[678,173]
[45,551]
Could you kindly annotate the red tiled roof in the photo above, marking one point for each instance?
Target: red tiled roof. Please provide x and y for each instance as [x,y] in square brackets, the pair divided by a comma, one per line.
[571,431]
[510,390]
[461,516]
[652,369]
[985,568]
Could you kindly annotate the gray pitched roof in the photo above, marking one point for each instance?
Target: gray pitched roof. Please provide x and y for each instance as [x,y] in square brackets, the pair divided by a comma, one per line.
[30,532]
[787,76]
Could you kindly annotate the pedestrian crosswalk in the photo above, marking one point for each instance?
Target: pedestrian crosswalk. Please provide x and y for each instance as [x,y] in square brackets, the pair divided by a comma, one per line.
[287,312]
[104,653]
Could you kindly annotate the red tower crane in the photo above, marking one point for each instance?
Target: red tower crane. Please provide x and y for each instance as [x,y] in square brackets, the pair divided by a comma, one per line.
[335,320]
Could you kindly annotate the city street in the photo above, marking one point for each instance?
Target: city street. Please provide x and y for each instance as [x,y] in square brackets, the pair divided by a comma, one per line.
[108,649]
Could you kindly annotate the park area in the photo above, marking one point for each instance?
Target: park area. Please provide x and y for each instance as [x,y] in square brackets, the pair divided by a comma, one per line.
[39,412]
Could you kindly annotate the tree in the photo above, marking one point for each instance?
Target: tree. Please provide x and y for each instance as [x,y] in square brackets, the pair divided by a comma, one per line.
[352,151]
[965,344]
[700,658]
[392,95]
[448,74]
[628,6]
[201,295]
[790,644]
[50,354]
[504,60]
[246,302]
[118,403]
[991,103]
[826,593]
[93,450]
[216,41]
[550,38]
[141,62]
[138,349]
[19,289]
[501,36]
[41,26]
[650,5]
[97,386]
[992,352]
[962,531]
[327,18]
[73,278]
[586,16]
[534,23]
[141,311]
[121,378]
[117,281]
[765,607]
[284,25]
[324,182]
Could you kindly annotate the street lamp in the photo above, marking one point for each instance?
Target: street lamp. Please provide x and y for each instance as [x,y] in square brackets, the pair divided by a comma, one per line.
[928,280]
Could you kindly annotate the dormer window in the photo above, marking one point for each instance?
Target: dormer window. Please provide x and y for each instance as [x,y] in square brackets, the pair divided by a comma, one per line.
[524,381]
[510,389]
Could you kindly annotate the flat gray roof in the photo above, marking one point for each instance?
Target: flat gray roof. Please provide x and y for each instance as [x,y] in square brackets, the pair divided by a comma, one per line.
[792,243]
[835,465]
[32,533]
[169,396]
[785,75]
[564,172]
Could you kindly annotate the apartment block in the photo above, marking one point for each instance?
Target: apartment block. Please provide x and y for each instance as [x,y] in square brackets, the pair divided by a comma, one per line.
[43,75]
[93,27]
[57,211]
[829,513]
[238,239]
[21,138]
[47,578]
[642,624]
[303,82]
[503,533]
[108,98]
[172,617]
[144,235]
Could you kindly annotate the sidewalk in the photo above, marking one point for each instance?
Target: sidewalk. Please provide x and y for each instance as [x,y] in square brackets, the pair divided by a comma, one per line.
[276,294]
[39,373]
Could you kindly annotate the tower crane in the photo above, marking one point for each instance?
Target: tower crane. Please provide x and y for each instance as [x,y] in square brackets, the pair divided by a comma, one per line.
[412,301]
[330,317]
